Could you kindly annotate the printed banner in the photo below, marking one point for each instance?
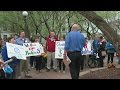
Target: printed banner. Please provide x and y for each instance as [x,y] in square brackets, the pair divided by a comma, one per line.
[15,50]
[59,49]
[33,49]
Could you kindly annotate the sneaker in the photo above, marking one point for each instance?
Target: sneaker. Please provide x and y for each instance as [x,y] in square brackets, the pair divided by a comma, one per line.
[39,71]
[48,70]
[19,77]
[32,67]
[28,76]
[59,71]
[55,70]
[63,71]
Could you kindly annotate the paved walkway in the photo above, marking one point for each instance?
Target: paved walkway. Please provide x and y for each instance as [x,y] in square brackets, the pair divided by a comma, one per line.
[56,75]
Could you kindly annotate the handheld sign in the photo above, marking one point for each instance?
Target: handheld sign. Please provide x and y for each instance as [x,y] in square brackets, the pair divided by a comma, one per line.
[15,50]
[59,49]
[33,49]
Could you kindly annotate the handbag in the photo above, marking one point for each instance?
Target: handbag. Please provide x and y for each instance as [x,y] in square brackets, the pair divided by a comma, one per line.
[103,53]
[67,61]
[7,69]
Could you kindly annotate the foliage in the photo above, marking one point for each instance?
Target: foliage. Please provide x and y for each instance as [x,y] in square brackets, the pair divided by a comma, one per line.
[44,21]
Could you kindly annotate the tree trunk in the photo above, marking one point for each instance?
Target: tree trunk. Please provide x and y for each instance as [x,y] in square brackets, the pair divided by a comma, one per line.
[103,26]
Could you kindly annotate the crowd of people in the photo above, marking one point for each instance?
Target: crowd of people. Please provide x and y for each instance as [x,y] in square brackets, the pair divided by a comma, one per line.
[74,43]
[22,67]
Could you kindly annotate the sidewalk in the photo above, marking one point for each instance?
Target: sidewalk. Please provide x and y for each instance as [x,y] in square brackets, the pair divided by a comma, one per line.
[56,75]
[105,66]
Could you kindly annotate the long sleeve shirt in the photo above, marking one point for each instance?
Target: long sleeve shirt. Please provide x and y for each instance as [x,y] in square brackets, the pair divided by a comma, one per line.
[5,56]
[20,41]
[110,48]
[74,41]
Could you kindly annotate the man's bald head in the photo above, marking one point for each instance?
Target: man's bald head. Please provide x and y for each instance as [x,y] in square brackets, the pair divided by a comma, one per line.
[75,27]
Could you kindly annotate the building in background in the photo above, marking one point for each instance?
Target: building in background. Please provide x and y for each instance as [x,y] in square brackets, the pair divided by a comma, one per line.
[5,34]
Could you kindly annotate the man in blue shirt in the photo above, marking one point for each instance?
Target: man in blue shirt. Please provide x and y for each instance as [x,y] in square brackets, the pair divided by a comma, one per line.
[23,63]
[74,44]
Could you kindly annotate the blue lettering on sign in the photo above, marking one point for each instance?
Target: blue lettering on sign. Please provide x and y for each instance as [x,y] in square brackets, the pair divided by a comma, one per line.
[16,50]
[26,45]
[38,50]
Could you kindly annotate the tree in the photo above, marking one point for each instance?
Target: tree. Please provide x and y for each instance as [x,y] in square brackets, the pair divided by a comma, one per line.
[102,25]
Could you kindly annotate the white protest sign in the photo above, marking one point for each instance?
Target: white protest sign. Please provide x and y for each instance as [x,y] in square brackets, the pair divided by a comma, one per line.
[33,49]
[59,49]
[87,49]
[15,50]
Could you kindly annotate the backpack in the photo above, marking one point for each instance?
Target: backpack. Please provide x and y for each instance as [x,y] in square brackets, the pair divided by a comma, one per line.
[7,69]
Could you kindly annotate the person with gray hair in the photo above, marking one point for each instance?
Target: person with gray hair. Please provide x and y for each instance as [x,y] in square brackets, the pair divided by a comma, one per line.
[50,47]
[74,44]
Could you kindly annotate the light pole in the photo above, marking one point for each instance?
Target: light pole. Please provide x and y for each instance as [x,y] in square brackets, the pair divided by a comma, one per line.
[25,14]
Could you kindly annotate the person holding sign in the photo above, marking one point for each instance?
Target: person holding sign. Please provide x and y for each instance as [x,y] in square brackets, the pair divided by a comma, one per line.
[13,64]
[61,63]
[23,63]
[101,50]
[74,44]
[38,59]
[32,58]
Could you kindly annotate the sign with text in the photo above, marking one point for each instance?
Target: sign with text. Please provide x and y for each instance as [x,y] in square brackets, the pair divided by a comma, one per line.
[33,49]
[59,49]
[87,49]
[15,50]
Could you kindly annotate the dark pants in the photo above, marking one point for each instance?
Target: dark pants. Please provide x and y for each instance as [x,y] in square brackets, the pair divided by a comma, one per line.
[2,74]
[82,63]
[110,56]
[76,59]
[61,64]
[13,74]
[32,58]
[44,62]
[101,63]
[9,76]
[38,63]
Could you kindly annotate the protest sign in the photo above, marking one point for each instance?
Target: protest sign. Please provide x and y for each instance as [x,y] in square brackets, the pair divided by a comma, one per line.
[59,49]
[33,49]
[15,50]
